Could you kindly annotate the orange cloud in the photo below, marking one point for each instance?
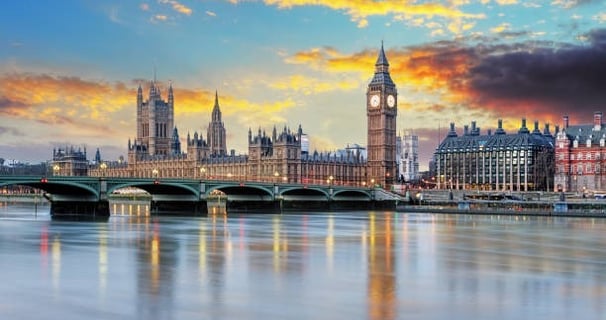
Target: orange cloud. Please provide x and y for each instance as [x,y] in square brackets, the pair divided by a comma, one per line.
[309,86]
[360,10]
[28,93]
[177,6]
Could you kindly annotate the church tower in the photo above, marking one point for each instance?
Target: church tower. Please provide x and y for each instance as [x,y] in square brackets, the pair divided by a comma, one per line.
[155,120]
[381,112]
[216,131]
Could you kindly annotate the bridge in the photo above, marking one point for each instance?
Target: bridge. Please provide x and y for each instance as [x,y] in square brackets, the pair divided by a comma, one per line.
[89,196]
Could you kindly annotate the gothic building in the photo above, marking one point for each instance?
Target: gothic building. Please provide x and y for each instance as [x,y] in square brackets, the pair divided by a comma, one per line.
[281,156]
[521,161]
[69,161]
[381,111]
[579,156]
[407,152]
[155,121]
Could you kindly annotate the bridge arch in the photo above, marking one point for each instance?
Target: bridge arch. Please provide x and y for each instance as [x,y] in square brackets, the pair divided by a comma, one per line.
[362,195]
[55,187]
[156,188]
[241,189]
[303,191]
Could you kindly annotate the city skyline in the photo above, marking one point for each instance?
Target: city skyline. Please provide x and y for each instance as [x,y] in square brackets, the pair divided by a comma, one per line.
[69,71]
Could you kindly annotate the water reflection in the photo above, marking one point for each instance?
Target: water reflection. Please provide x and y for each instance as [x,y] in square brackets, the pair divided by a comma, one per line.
[382,283]
[157,262]
[355,265]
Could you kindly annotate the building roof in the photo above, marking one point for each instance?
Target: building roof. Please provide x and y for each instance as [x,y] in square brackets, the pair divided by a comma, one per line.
[473,141]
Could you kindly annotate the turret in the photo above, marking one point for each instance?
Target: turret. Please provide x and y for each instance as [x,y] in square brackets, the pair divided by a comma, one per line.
[171,97]
[139,96]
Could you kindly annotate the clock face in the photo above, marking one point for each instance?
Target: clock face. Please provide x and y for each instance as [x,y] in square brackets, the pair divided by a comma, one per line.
[374,100]
[391,101]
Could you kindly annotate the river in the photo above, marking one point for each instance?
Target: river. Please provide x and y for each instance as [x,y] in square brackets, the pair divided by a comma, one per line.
[321,265]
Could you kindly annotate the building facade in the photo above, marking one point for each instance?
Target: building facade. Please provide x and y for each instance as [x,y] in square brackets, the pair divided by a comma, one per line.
[407,152]
[282,156]
[523,161]
[69,161]
[580,156]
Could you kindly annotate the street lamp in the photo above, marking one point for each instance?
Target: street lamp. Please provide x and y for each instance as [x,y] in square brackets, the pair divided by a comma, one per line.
[103,166]
[56,169]
[276,174]
[330,179]
[203,172]
[155,175]
[372,183]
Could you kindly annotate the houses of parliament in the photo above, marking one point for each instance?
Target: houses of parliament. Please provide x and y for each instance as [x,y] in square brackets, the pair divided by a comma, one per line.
[273,157]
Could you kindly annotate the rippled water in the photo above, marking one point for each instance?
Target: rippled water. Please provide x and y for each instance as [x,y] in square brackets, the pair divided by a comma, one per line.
[341,265]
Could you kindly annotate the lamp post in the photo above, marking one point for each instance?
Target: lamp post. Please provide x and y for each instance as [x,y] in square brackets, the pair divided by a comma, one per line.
[276,175]
[103,166]
[155,175]
[330,179]
[203,173]
[56,169]
[372,183]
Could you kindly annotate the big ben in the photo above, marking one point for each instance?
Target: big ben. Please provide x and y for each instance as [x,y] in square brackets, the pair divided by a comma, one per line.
[381,111]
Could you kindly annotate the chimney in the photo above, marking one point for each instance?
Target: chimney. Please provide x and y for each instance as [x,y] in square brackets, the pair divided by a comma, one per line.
[452,132]
[565,122]
[465,130]
[500,127]
[597,121]
[523,128]
[536,128]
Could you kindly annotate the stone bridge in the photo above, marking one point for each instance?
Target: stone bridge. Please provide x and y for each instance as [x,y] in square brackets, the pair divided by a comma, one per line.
[89,196]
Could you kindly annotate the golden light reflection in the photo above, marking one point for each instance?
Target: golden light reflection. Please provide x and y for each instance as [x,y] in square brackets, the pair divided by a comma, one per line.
[330,242]
[202,249]
[382,282]
[130,209]
[276,243]
[103,261]
[56,262]
[155,260]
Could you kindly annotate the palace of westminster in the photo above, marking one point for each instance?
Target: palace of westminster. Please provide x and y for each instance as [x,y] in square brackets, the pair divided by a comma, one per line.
[281,156]
[570,160]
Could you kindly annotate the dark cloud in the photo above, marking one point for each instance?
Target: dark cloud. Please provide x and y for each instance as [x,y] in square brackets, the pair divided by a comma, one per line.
[8,106]
[555,79]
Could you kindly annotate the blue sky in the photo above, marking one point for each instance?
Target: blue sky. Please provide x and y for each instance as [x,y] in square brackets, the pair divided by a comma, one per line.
[69,69]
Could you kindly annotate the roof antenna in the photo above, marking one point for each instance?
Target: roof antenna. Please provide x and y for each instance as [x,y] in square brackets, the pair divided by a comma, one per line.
[154,72]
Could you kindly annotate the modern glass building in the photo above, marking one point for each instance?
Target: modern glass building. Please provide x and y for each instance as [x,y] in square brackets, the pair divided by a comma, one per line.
[523,161]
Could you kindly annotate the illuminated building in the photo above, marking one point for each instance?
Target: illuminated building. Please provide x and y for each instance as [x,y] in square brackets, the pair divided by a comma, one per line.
[69,161]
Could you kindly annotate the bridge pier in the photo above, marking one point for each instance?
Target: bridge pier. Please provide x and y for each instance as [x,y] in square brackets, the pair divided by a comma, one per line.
[80,209]
[178,208]
[254,206]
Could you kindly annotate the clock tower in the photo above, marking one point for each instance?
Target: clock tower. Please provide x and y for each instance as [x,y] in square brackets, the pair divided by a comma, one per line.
[381,111]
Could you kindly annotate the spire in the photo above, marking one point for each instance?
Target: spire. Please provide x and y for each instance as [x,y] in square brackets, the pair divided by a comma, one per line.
[216,115]
[382,59]
[171,98]
[139,95]
[382,76]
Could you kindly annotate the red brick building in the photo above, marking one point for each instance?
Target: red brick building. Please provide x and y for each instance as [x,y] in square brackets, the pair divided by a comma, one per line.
[579,156]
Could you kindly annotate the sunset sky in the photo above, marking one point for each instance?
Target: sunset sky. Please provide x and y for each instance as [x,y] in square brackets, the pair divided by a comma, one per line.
[69,69]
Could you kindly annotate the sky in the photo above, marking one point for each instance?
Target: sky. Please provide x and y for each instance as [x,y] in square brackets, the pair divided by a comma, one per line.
[69,69]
